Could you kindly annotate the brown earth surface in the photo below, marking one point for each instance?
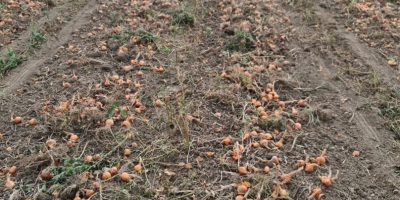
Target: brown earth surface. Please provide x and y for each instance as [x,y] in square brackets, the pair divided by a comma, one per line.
[183,95]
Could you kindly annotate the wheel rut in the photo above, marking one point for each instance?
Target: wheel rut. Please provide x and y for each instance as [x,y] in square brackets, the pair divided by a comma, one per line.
[48,49]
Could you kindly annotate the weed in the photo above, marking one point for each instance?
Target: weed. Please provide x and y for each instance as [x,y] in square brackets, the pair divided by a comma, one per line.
[208,31]
[146,36]
[239,42]
[126,33]
[77,166]
[391,111]
[36,38]
[111,110]
[10,61]
[183,17]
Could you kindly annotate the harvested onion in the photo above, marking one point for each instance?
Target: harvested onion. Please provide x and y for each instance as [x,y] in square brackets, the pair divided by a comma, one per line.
[12,170]
[138,167]
[226,141]
[321,159]
[9,183]
[17,120]
[32,121]
[286,177]
[46,174]
[106,175]
[109,122]
[242,170]
[125,177]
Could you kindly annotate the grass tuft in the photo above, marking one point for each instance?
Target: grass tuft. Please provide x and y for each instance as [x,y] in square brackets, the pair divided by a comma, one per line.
[9,61]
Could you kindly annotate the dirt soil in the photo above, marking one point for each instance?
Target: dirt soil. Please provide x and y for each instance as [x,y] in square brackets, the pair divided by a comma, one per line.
[200,99]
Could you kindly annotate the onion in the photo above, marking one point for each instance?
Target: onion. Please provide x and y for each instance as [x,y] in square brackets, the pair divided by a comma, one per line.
[301,163]
[301,103]
[97,157]
[321,159]
[242,170]
[316,193]
[51,143]
[127,152]
[107,82]
[255,144]
[294,111]
[88,193]
[89,158]
[297,126]
[327,180]
[241,189]
[115,77]
[281,104]
[286,177]
[210,154]
[32,121]
[137,85]
[126,124]
[96,185]
[188,166]
[125,177]
[17,120]
[283,192]
[72,136]
[46,174]
[12,170]
[113,170]
[70,144]
[9,183]
[106,175]
[266,169]
[159,103]
[275,160]
[109,122]
[310,167]
[226,141]
[138,167]
[65,85]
